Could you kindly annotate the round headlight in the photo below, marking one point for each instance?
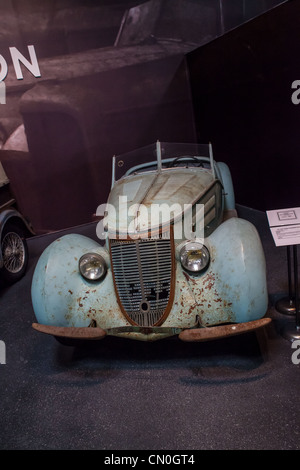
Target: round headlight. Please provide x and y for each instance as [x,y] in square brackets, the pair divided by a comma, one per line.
[92,266]
[194,257]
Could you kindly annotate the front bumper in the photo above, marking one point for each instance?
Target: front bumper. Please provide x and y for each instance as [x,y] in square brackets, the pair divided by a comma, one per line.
[188,335]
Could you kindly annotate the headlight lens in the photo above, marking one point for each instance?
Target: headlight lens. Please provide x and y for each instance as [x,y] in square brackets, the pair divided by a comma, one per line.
[92,266]
[194,257]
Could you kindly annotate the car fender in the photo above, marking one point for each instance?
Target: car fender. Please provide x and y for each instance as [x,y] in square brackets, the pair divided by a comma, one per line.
[226,179]
[234,287]
[62,297]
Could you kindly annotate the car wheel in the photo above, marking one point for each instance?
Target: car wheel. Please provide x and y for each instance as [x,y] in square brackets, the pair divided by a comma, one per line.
[14,253]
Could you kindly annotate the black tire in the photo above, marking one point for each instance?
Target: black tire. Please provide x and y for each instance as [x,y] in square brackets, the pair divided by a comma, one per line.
[14,253]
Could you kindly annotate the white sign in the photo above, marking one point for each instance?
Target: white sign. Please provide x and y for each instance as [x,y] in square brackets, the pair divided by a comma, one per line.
[285,226]
[2,353]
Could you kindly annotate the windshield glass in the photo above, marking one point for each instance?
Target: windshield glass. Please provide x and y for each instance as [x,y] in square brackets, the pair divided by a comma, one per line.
[161,154]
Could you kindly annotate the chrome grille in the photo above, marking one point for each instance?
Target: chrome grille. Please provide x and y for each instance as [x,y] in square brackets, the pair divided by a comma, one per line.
[142,271]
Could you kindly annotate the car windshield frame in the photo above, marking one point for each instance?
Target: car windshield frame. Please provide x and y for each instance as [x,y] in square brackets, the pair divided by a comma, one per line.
[161,155]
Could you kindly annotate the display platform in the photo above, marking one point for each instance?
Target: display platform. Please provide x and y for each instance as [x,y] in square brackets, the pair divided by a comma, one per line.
[118,394]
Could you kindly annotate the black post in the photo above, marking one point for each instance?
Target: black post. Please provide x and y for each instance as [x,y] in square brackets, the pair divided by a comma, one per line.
[291,331]
[289,272]
[296,285]
[286,305]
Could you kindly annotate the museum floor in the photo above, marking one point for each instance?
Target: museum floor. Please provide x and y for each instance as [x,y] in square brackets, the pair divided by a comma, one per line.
[236,393]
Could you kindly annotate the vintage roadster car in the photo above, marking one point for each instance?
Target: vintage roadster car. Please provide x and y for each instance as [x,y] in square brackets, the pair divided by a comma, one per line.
[174,259]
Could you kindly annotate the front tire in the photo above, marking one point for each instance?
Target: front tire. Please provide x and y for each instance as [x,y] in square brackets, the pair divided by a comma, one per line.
[14,253]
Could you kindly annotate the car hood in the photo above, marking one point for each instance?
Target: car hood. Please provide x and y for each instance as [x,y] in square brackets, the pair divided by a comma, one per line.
[135,199]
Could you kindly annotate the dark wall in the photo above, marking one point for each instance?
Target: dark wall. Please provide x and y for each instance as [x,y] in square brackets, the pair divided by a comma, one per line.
[241,87]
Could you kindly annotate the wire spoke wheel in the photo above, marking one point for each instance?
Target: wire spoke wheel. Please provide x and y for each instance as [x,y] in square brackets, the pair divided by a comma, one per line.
[13,252]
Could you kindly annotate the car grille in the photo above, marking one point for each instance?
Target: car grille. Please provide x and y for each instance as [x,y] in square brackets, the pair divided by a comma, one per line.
[142,272]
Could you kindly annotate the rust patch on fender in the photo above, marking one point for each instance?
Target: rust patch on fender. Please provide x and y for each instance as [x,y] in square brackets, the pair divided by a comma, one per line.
[209,281]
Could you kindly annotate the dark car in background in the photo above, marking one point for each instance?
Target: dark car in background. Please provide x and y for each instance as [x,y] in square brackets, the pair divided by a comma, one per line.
[14,229]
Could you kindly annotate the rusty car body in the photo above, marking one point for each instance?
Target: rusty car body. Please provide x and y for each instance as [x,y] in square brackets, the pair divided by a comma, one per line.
[155,275]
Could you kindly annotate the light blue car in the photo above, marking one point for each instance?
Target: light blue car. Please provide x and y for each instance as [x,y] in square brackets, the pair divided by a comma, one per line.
[173,257]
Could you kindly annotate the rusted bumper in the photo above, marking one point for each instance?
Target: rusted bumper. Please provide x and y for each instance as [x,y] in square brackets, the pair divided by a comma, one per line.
[222,331]
[188,335]
[70,332]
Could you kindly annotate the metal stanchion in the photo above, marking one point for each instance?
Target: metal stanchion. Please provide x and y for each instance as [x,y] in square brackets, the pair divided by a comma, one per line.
[286,305]
[292,330]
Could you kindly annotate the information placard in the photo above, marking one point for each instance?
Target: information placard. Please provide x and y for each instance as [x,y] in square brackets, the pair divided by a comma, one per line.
[285,226]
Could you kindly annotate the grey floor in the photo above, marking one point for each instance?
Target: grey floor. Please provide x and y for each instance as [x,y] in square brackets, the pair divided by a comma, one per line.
[236,393]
